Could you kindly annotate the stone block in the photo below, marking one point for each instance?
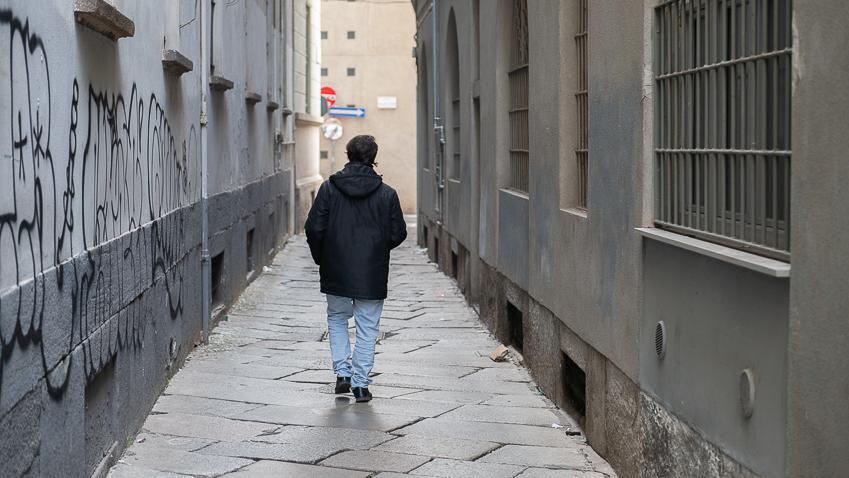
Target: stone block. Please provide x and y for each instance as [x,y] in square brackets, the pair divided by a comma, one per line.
[541,349]
[622,422]
[596,400]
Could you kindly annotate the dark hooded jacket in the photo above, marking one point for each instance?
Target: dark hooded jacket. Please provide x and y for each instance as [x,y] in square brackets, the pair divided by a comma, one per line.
[353,224]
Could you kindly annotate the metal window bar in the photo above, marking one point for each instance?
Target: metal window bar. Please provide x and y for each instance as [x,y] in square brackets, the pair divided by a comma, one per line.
[722,138]
[518,113]
[455,138]
[581,153]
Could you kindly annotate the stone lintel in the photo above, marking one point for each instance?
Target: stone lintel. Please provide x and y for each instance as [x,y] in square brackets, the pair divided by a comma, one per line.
[103,18]
[175,62]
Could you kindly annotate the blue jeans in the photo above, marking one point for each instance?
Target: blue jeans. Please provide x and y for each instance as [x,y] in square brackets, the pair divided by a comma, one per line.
[366,315]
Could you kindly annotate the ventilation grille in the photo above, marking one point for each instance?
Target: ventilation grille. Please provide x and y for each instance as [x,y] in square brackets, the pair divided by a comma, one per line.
[660,339]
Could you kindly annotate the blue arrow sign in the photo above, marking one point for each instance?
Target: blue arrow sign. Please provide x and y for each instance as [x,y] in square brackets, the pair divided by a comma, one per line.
[348,112]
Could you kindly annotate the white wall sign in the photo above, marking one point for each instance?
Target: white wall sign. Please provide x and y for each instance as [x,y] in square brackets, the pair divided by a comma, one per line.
[387,102]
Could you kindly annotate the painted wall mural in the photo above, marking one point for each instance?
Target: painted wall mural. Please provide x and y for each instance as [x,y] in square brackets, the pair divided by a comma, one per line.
[94,211]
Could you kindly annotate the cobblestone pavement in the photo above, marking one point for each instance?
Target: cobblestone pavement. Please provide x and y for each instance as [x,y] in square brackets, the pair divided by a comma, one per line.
[256,401]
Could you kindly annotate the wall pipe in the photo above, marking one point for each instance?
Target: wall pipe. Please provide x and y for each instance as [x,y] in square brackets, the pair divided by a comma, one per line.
[204,249]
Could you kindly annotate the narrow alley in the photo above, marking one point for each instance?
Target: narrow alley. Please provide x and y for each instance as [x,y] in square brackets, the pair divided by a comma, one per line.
[257,401]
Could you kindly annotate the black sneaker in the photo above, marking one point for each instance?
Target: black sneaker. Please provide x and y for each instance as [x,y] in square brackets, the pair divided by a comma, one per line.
[362,394]
[343,385]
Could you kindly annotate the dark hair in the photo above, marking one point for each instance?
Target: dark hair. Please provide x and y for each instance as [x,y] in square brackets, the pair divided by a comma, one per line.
[362,149]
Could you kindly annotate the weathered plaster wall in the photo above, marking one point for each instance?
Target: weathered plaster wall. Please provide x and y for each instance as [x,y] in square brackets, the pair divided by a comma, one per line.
[100,219]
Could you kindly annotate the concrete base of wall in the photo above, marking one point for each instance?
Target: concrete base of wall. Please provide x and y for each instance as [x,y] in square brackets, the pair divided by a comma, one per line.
[626,426]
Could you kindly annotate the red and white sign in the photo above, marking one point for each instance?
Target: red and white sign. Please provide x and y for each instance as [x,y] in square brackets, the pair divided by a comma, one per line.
[329,95]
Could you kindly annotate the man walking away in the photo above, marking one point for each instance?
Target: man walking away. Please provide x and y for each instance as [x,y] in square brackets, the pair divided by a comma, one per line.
[354,223]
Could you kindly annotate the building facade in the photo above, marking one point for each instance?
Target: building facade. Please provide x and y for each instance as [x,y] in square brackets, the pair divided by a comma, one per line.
[615,182]
[148,162]
[307,86]
[366,58]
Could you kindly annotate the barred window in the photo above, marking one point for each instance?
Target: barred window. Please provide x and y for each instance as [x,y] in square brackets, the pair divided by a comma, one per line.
[518,112]
[722,132]
[581,103]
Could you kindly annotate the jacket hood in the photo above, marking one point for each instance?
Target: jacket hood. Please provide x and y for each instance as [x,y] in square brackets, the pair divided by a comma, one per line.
[356,180]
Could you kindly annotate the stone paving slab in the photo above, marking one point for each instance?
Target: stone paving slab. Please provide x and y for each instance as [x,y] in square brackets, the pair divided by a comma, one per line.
[201,406]
[258,400]
[276,469]
[438,428]
[493,413]
[336,417]
[443,448]
[548,473]
[122,470]
[309,453]
[373,460]
[539,456]
[181,462]
[467,469]
[346,438]
[201,426]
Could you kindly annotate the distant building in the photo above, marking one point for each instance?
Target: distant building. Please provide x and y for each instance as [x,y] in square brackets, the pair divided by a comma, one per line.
[131,144]
[367,58]
[647,198]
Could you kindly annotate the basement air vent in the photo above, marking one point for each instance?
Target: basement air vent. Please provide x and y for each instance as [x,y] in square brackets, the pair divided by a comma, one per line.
[660,339]
[747,392]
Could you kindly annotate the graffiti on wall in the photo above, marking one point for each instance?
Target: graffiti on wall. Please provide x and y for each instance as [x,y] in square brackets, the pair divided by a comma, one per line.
[93,212]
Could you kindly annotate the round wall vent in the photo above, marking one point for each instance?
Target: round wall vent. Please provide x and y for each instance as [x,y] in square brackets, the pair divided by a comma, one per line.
[747,392]
[660,339]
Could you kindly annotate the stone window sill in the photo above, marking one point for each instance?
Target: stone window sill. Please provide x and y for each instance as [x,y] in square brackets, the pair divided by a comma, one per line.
[219,83]
[754,262]
[175,62]
[103,18]
[252,97]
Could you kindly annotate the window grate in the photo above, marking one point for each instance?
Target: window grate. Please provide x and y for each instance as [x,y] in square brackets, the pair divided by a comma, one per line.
[518,113]
[723,86]
[581,153]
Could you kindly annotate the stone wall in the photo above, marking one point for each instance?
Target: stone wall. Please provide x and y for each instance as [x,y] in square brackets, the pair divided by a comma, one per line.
[100,213]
